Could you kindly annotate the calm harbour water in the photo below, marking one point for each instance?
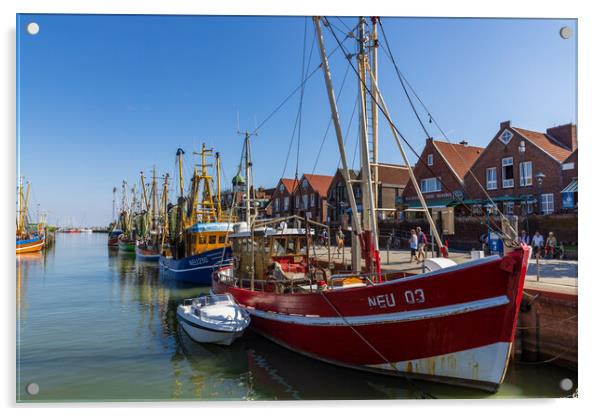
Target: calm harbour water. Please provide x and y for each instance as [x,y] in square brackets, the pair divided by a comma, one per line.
[95,325]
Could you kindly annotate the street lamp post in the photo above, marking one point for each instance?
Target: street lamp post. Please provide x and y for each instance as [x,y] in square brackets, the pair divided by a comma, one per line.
[539,178]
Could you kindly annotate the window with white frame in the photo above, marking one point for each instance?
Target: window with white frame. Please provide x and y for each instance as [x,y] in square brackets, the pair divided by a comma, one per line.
[276,205]
[491,177]
[526,173]
[429,159]
[312,200]
[297,202]
[547,203]
[508,208]
[430,185]
[507,172]
[285,205]
[305,205]
[506,136]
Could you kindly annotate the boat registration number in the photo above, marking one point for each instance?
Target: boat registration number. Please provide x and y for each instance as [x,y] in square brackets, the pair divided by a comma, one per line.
[388,300]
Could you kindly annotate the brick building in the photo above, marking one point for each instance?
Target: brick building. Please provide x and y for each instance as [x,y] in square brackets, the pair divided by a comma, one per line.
[281,204]
[392,180]
[309,195]
[440,173]
[524,171]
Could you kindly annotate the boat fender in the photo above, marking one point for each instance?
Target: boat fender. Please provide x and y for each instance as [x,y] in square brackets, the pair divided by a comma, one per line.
[507,264]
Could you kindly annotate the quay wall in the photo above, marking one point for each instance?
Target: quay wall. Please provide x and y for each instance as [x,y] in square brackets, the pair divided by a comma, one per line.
[547,327]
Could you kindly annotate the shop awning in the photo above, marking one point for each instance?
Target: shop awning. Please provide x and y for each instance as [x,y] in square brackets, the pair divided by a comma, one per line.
[433,203]
[571,187]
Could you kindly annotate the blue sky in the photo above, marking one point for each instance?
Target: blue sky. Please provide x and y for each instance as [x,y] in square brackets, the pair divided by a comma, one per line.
[103,97]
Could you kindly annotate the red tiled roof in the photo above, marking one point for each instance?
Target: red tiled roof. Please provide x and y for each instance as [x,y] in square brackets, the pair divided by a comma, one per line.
[288,184]
[319,183]
[546,143]
[459,157]
[393,174]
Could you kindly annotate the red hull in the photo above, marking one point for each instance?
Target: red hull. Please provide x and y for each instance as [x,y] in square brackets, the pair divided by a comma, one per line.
[458,329]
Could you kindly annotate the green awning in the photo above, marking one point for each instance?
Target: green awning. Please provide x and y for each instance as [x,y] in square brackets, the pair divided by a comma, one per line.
[432,203]
[571,187]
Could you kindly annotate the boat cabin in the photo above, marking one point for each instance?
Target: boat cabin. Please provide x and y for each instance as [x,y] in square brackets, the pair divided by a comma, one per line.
[202,237]
[269,246]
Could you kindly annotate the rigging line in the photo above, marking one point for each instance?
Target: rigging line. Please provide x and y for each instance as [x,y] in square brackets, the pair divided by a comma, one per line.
[357,145]
[349,129]
[372,347]
[290,145]
[316,69]
[345,24]
[301,99]
[330,123]
[394,126]
[402,78]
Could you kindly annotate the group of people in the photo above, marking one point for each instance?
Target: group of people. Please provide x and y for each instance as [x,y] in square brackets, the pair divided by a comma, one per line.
[549,246]
[417,245]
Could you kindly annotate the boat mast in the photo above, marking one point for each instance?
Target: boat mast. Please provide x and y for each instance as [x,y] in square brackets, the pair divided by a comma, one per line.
[207,203]
[219,186]
[20,207]
[145,199]
[336,121]
[113,214]
[154,201]
[367,184]
[24,218]
[374,114]
[179,154]
[165,214]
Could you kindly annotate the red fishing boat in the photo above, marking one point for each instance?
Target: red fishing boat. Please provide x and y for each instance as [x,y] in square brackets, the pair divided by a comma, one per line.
[453,323]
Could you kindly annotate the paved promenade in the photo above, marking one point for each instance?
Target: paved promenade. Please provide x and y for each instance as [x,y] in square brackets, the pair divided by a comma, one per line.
[555,275]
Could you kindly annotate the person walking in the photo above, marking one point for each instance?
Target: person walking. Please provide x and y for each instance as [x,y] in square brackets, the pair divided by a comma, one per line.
[537,244]
[421,245]
[340,241]
[551,244]
[413,245]
[524,237]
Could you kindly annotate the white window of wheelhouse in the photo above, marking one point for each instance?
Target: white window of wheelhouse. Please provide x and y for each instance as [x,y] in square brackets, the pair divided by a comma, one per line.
[429,159]
[305,205]
[508,208]
[430,185]
[491,174]
[547,203]
[506,136]
[507,172]
[285,203]
[526,173]
[312,200]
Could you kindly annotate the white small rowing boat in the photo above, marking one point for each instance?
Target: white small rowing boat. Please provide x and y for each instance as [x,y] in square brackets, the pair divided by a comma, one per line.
[216,319]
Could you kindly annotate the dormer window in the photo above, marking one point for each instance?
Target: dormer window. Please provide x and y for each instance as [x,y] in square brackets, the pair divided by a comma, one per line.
[304,185]
[506,136]
[429,159]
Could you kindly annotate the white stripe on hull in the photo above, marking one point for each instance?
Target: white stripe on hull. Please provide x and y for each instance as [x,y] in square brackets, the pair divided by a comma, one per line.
[383,318]
[30,247]
[481,364]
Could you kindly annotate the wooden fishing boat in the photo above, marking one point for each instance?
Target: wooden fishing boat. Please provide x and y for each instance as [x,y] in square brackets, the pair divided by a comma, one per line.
[199,244]
[113,238]
[33,244]
[27,241]
[454,323]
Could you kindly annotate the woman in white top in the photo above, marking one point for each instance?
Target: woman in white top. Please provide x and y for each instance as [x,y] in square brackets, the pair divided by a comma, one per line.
[413,245]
